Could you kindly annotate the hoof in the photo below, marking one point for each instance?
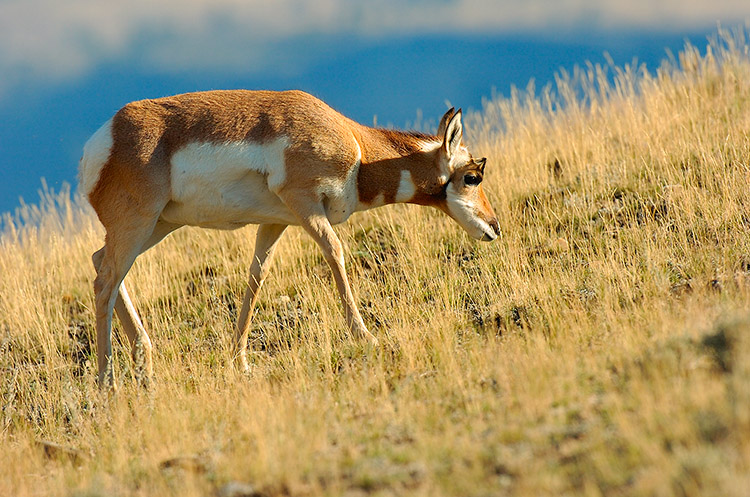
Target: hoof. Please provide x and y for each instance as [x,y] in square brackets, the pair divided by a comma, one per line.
[372,340]
[365,335]
[241,364]
[142,364]
[106,382]
[144,381]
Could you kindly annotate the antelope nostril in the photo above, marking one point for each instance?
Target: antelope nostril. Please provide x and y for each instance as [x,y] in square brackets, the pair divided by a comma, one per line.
[495,226]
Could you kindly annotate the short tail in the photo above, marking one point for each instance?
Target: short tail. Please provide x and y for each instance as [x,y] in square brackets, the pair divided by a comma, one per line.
[95,155]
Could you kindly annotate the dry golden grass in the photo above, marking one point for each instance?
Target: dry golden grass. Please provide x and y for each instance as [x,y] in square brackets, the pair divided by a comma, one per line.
[602,346]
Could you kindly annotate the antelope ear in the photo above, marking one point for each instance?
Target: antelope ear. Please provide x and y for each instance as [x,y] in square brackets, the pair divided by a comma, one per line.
[454,132]
[444,121]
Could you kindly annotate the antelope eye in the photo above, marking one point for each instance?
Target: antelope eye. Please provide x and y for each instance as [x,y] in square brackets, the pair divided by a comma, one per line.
[472,179]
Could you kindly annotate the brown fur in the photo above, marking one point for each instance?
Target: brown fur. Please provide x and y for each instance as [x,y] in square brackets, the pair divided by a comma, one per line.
[148,132]
[385,153]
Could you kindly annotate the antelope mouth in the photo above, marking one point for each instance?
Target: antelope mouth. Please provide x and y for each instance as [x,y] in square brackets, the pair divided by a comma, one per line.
[491,235]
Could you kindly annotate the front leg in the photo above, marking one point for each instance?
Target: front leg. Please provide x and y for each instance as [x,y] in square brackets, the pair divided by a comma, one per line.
[309,209]
[315,222]
[312,217]
[320,229]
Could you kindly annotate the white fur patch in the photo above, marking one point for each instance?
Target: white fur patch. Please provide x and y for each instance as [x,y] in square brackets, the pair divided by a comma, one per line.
[201,165]
[428,147]
[341,196]
[460,158]
[227,185]
[444,177]
[246,201]
[378,201]
[464,212]
[95,155]
[406,187]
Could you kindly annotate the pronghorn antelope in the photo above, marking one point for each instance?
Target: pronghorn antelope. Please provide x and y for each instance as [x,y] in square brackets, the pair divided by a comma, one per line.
[225,159]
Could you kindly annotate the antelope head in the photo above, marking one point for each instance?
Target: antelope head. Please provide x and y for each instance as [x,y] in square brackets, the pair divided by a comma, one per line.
[461,178]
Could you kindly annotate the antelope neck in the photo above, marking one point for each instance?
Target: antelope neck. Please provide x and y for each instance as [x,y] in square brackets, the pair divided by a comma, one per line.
[396,165]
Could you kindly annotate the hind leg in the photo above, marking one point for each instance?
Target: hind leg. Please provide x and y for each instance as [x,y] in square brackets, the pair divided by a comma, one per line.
[138,339]
[121,248]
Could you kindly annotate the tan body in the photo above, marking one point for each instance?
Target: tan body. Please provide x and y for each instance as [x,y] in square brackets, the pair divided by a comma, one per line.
[225,159]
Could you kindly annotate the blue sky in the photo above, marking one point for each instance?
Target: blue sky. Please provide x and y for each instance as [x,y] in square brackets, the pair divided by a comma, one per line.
[66,67]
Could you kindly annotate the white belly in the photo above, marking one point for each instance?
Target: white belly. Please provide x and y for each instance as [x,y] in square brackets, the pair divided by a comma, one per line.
[227,186]
[229,206]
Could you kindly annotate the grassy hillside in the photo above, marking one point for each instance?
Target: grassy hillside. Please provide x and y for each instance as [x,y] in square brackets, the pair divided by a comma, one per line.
[602,346]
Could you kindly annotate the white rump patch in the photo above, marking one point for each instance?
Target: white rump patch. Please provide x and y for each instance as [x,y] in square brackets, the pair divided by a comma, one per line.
[95,155]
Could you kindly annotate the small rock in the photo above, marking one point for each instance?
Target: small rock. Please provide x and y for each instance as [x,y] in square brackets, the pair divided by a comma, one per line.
[284,300]
[56,451]
[238,489]
[355,492]
[560,245]
[193,464]
[682,287]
